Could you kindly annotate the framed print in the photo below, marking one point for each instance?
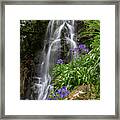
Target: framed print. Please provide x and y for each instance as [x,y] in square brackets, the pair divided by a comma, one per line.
[60,59]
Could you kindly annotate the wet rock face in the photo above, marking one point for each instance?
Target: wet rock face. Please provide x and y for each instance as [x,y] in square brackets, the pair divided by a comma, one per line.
[31,53]
[26,73]
[32,34]
[30,67]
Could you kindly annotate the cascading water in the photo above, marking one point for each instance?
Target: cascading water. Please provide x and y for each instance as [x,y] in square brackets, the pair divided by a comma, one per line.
[59,38]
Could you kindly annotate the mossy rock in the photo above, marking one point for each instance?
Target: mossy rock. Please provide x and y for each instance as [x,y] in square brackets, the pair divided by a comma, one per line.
[83,92]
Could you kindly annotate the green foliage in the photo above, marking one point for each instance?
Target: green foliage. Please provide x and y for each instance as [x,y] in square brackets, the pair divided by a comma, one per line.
[32,34]
[90,30]
[86,68]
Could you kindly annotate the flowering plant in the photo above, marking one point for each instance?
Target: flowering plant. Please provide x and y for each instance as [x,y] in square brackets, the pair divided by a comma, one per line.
[60,94]
[85,69]
[60,61]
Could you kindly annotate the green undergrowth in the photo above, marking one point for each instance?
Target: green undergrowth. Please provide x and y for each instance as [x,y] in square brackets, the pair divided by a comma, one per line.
[85,69]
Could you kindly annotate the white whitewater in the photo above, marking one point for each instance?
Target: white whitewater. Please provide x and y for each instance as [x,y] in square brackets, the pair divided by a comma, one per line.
[57,31]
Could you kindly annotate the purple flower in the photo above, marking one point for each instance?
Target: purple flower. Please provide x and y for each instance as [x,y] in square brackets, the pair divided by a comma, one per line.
[82,46]
[74,49]
[52,98]
[49,99]
[64,87]
[58,91]
[63,92]
[71,50]
[60,61]
[86,50]
[59,94]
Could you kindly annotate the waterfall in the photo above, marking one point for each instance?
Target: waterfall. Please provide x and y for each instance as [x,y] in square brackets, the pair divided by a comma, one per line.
[59,34]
